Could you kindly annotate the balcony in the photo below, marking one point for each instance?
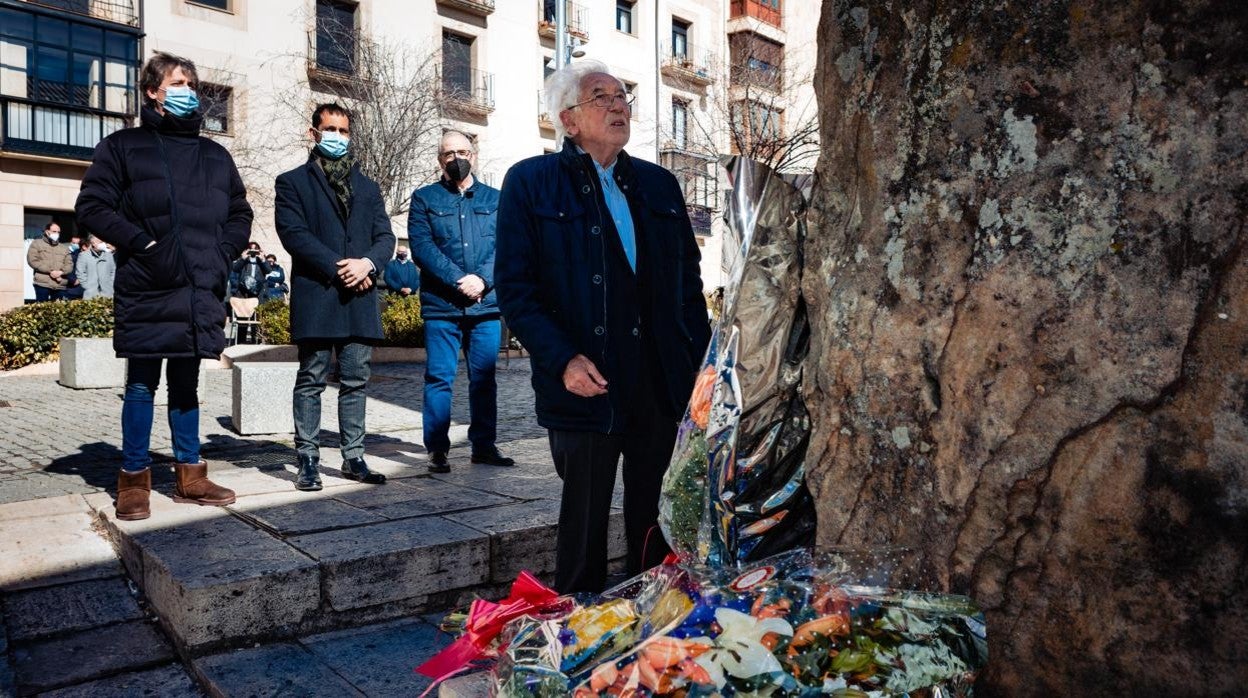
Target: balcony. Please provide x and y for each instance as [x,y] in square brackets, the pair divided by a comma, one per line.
[35,128]
[480,8]
[116,11]
[687,66]
[466,92]
[576,20]
[332,56]
[544,119]
[695,171]
[769,11]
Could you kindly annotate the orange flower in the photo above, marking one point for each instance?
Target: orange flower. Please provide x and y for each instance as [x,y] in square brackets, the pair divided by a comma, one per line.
[700,402]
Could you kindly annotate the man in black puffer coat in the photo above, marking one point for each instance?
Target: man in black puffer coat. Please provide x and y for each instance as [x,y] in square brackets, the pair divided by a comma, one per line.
[173,205]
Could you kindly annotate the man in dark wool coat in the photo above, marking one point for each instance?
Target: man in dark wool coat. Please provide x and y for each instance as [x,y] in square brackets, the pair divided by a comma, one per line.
[172,204]
[333,222]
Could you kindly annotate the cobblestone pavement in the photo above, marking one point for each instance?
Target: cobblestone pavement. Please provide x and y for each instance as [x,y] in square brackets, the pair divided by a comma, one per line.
[56,440]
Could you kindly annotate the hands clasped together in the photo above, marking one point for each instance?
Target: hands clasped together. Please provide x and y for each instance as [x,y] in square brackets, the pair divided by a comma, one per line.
[354,274]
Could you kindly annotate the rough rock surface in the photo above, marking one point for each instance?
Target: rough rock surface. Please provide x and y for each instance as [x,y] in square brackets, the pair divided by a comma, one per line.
[1028,292]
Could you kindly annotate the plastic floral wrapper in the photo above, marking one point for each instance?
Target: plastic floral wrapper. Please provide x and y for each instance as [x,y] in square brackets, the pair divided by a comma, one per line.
[735,490]
[784,626]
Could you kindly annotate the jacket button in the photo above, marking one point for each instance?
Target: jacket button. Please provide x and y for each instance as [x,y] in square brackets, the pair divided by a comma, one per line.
[599,330]
[636,332]
[561,214]
[595,230]
[625,187]
[585,189]
[597,278]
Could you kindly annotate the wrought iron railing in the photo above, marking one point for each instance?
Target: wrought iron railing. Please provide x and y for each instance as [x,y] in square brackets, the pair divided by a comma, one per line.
[465,87]
[576,17]
[685,60]
[120,11]
[332,51]
[38,128]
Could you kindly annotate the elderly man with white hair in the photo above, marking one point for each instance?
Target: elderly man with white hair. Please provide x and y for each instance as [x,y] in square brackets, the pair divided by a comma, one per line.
[597,274]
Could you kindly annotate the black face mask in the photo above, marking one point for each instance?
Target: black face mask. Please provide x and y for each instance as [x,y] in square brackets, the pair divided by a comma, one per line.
[458,169]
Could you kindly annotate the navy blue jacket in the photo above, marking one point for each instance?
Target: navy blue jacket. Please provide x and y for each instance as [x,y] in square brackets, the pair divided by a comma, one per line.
[399,275]
[565,287]
[317,232]
[167,298]
[452,235]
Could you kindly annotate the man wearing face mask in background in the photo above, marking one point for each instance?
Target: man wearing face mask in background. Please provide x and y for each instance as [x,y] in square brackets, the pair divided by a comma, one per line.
[53,264]
[401,275]
[333,222]
[451,229]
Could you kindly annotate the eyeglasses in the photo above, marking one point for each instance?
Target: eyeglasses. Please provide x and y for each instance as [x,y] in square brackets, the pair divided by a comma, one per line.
[605,101]
[465,154]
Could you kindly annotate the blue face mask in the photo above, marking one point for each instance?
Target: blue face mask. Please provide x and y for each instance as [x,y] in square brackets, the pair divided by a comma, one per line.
[333,145]
[181,101]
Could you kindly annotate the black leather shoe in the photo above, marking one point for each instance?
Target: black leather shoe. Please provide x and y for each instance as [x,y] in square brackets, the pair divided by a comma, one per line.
[309,477]
[492,457]
[437,462]
[356,469]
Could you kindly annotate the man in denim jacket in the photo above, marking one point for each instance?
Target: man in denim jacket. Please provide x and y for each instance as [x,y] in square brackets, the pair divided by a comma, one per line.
[451,231]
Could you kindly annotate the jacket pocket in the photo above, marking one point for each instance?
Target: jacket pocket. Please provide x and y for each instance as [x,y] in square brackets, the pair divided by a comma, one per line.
[440,223]
[158,267]
[487,219]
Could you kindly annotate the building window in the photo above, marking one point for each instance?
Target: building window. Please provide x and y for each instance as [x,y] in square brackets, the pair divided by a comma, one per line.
[335,36]
[223,5]
[754,124]
[631,88]
[756,60]
[680,38]
[680,122]
[456,64]
[217,101]
[624,16]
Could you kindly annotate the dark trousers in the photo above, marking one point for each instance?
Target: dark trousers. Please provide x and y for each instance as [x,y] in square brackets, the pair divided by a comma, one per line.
[354,369]
[137,413]
[586,461]
[48,294]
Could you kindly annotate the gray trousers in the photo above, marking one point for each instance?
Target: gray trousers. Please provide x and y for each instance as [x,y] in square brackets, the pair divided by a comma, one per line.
[354,368]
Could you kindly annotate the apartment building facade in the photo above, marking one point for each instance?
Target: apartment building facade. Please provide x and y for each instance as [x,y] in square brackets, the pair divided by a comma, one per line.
[68,72]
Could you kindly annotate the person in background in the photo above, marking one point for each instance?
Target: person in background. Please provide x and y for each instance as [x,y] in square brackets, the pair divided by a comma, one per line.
[52,262]
[598,275]
[250,271]
[451,227]
[96,269]
[401,275]
[173,205]
[275,287]
[333,222]
[73,288]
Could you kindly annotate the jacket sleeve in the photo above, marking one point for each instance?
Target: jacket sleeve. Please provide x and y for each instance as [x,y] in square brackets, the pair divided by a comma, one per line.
[424,250]
[100,198]
[237,229]
[67,263]
[80,269]
[383,235]
[296,236]
[517,271]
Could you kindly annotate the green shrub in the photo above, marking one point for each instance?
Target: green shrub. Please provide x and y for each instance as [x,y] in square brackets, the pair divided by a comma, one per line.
[31,334]
[274,317]
[401,323]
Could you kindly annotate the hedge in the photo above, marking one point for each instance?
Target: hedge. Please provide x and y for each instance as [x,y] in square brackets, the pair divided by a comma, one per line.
[400,321]
[32,333]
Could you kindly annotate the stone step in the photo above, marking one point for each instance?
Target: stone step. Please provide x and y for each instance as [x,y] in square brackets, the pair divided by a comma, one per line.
[281,564]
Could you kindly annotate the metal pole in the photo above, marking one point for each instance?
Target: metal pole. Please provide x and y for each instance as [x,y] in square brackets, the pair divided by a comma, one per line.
[561,33]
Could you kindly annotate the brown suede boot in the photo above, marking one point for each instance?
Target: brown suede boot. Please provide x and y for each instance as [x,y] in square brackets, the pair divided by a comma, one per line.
[134,494]
[194,487]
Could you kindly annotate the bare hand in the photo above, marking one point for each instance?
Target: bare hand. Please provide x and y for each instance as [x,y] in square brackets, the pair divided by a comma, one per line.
[471,286]
[55,273]
[405,291]
[364,285]
[581,377]
[353,271]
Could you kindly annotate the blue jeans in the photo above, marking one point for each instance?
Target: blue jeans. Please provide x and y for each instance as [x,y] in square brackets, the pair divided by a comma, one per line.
[479,340]
[142,378]
[354,369]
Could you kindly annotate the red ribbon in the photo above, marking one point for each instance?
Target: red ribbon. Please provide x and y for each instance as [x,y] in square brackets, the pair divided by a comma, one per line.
[486,620]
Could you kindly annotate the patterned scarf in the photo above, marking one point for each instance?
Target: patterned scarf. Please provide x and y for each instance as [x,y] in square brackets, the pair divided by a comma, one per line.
[338,172]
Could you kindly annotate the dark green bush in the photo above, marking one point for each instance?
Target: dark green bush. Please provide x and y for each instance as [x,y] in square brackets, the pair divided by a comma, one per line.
[31,334]
[274,317]
[401,323]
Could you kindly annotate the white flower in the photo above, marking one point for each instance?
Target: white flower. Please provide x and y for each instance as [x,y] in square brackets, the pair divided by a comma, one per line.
[739,648]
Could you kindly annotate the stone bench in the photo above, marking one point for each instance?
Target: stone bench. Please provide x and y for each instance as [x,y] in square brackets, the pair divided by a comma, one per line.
[90,363]
[261,396]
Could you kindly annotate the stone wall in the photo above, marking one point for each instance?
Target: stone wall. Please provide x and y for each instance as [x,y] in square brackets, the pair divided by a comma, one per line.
[1027,289]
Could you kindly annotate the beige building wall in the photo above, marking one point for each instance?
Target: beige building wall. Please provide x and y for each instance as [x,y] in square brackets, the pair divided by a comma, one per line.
[29,182]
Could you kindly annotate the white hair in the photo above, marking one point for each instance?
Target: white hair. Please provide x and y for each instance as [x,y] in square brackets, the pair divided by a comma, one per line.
[563,89]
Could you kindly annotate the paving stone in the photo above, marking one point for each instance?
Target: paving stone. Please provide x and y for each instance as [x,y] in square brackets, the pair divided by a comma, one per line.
[169,681]
[52,550]
[90,363]
[40,613]
[42,508]
[49,664]
[523,486]
[254,385]
[400,500]
[522,537]
[476,685]
[283,669]
[396,560]
[292,513]
[379,660]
